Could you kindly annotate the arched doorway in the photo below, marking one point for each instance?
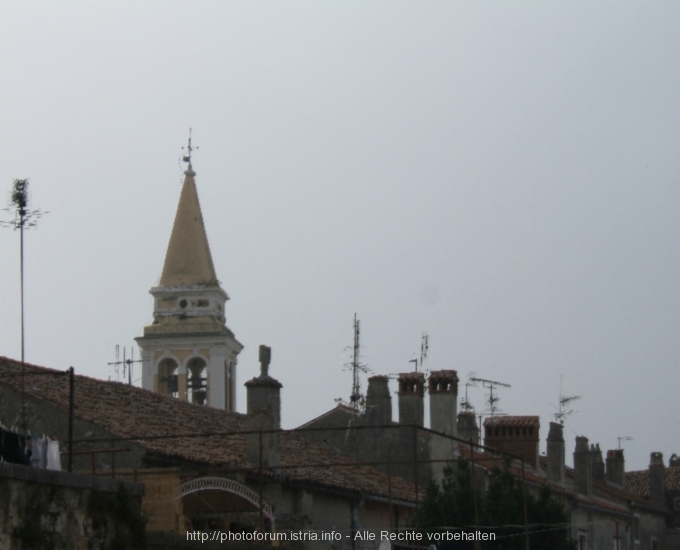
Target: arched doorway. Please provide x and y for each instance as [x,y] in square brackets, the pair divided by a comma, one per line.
[216,503]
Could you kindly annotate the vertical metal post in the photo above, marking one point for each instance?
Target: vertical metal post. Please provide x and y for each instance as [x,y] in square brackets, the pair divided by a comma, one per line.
[260,473]
[474,491]
[70,419]
[415,464]
[113,459]
[524,504]
[21,268]
[389,492]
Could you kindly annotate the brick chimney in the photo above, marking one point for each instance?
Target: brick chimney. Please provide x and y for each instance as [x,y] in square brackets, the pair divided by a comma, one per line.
[615,467]
[443,386]
[411,390]
[583,468]
[597,463]
[555,453]
[467,426]
[264,413]
[657,477]
[517,435]
[378,401]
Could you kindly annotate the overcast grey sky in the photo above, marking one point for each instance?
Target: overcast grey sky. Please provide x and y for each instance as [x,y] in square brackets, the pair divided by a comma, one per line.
[501,175]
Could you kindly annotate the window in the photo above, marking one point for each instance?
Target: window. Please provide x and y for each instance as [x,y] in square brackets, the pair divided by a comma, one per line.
[582,541]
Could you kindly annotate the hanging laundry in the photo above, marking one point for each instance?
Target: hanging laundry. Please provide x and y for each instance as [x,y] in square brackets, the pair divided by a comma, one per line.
[53,457]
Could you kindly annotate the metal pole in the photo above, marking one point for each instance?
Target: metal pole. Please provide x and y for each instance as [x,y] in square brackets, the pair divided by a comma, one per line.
[21,269]
[260,473]
[415,463]
[474,492]
[70,419]
[389,492]
[524,504]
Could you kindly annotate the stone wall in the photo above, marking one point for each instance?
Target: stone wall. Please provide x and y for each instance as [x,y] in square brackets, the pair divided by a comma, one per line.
[43,509]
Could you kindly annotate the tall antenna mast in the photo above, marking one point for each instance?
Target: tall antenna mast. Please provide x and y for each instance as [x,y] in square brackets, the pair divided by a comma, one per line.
[23,218]
[357,366]
[562,411]
[491,385]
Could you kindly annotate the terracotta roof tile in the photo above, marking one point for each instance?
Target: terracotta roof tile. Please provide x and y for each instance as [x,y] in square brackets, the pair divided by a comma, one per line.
[133,413]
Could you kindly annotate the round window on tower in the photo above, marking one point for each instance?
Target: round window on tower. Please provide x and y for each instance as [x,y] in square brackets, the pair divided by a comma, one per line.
[183,304]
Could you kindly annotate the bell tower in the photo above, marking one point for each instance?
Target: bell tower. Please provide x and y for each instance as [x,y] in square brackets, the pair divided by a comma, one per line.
[188,351]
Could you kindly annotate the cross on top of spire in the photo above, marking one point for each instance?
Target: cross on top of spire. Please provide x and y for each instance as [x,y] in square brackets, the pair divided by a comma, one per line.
[187,157]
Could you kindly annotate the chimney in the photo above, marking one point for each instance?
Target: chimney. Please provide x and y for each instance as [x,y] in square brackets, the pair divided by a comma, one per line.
[555,453]
[615,467]
[467,427]
[583,470]
[517,435]
[264,413]
[443,386]
[378,401]
[597,463]
[657,477]
[411,388]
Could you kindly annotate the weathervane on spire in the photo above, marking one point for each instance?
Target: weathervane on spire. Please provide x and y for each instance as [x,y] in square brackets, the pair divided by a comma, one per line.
[189,148]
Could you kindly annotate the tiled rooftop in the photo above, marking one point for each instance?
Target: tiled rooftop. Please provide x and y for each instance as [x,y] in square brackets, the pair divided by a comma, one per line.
[637,483]
[140,415]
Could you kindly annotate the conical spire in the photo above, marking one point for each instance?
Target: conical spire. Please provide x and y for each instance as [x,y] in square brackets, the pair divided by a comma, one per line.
[188,260]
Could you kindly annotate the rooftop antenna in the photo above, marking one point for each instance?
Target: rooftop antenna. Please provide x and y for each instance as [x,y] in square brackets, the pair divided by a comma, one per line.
[24,218]
[624,438]
[126,363]
[424,346]
[465,404]
[356,397]
[562,413]
[490,385]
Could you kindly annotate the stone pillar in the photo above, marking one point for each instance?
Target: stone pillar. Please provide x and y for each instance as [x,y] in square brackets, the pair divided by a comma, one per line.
[597,463]
[615,467]
[657,479]
[264,413]
[378,401]
[215,369]
[583,471]
[555,453]
[411,390]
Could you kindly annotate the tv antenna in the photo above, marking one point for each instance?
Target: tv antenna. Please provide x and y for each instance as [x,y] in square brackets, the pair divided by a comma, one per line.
[491,385]
[424,346]
[465,403]
[562,411]
[355,397]
[24,218]
[624,438]
[125,363]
